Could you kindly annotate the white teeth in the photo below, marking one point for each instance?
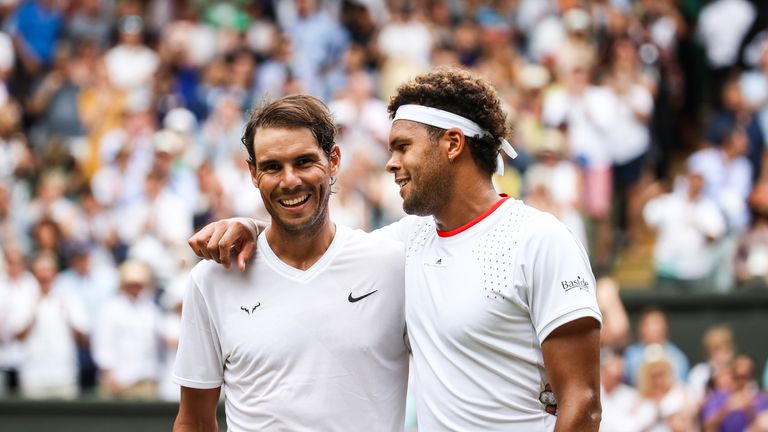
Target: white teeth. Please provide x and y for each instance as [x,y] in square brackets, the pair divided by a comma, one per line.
[402,183]
[295,201]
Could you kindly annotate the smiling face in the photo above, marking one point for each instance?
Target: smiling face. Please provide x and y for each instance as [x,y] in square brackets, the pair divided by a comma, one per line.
[419,169]
[293,175]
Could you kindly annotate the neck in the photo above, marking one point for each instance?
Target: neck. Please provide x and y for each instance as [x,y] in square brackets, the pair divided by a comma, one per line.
[470,198]
[301,249]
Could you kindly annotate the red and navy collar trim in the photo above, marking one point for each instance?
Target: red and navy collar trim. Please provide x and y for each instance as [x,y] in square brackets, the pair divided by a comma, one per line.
[474,221]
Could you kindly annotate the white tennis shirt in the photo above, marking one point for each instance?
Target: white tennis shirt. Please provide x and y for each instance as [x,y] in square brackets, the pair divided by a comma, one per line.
[479,302]
[314,350]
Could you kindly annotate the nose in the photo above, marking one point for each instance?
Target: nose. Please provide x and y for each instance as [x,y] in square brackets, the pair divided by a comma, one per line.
[393,164]
[290,178]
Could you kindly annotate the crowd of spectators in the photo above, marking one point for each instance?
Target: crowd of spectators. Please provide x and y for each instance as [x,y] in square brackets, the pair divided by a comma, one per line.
[120,125]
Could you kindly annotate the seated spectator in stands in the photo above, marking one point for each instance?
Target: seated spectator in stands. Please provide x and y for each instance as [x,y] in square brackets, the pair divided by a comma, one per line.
[624,410]
[49,327]
[94,286]
[688,224]
[675,409]
[733,406]
[131,64]
[17,287]
[126,339]
[720,351]
[751,257]
[652,331]
[736,115]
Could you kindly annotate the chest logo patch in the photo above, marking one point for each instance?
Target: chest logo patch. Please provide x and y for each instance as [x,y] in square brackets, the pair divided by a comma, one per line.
[437,262]
[357,299]
[249,310]
[579,283]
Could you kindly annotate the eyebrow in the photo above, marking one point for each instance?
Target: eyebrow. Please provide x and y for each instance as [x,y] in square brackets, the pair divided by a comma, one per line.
[307,155]
[399,140]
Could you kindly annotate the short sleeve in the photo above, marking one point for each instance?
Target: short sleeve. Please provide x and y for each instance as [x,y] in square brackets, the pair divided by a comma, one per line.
[560,283]
[399,231]
[199,363]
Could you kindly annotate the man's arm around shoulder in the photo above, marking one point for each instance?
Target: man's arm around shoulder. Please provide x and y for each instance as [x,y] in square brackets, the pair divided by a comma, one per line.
[572,360]
[197,410]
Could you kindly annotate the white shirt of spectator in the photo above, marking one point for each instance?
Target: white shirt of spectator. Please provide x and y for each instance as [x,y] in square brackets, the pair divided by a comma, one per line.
[293,349]
[478,305]
[682,249]
[131,68]
[589,116]
[722,42]
[726,182]
[126,339]
[13,294]
[624,410]
[629,137]
[49,352]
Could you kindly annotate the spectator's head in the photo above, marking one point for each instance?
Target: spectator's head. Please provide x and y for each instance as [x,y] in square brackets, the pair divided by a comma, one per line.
[15,264]
[46,235]
[434,154]
[168,144]
[10,119]
[652,328]
[718,345]
[733,99]
[78,253]
[305,8]
[130,28]
[293,159]
[743,371]
[45,267]
[135,277]
[611,369]
[735,143]
[656,376]
[695,183]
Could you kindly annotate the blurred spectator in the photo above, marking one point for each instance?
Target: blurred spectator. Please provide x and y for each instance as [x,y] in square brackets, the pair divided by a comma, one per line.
[126,339]
[751,257]
[93,286]
[170,327]
[49,327]
[553,183]
[615,331]
[318,42]
[722,43]
[727,181]
[131,64]
[17,287]
[736,115]
[652,331]
[35,26]
[624,410]
[15,156]
[659,386]
[688,225]
[405,44]
[90,22]
[734,405]
[719,352]
[754,88]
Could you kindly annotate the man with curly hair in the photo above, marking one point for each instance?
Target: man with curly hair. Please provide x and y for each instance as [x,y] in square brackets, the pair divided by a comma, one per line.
[500,298]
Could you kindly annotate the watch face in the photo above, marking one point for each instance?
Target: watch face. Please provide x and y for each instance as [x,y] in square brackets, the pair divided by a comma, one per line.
[547,398]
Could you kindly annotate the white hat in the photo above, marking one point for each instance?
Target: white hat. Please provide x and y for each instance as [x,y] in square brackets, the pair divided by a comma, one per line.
[180,120]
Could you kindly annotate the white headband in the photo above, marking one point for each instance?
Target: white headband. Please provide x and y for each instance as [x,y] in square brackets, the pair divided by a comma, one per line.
[446,120]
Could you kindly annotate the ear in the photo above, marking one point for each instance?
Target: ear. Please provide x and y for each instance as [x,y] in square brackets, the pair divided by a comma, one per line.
[456,143]
[334,160]
[254,172]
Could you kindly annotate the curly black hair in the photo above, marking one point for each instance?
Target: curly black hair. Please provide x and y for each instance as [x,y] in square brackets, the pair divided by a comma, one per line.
[458,91]
[295,111]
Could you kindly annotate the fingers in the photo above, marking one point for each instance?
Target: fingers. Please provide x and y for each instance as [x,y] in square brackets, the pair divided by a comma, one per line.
[245,254]
[213,246]
[199,241]
[229,242]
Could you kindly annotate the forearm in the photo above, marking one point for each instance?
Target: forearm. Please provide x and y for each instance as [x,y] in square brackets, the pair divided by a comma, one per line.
[579,412]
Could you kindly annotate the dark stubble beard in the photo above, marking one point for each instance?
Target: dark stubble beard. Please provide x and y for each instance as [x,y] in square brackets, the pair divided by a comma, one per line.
[433,188]
[314,223]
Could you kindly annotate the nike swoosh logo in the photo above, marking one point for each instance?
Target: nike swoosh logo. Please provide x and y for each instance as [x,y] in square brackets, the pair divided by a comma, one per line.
[355,299]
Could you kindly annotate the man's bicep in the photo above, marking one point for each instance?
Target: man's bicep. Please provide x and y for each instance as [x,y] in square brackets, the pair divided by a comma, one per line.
[197,410]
